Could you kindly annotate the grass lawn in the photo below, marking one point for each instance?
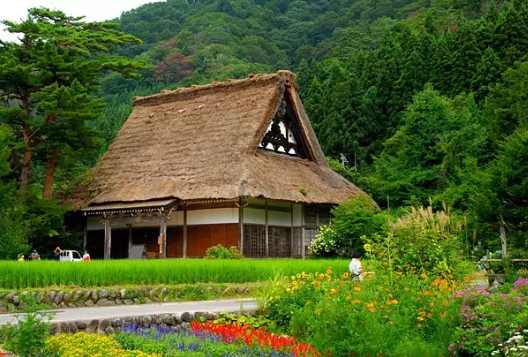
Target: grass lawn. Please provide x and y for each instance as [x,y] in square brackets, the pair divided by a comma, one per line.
[43,274]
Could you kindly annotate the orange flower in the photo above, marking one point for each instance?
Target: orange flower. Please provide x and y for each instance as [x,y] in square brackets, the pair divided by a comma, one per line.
[390,295]
[308,303]
[419,325]
[349,297]
[317,311]
[442,316]
[390,322]
[372,309]
[355,301]
[423,276]
[329,271]
[466,278]
[357,288]
[431,304]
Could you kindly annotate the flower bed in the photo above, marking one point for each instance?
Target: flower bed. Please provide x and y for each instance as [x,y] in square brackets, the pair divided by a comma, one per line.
[202,339]
[410,315]
[213,339]
[488,321]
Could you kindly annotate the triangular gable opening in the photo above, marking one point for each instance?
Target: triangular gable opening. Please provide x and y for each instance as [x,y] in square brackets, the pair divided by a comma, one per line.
[284,135]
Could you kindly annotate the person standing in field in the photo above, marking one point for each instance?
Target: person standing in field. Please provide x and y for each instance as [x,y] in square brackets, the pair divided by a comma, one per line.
[56,253]
[86,256]
[34,255]
[355,267]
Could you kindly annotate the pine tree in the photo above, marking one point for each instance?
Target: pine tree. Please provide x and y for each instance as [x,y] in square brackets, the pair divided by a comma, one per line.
[55,52]
[466,57]
[488,73]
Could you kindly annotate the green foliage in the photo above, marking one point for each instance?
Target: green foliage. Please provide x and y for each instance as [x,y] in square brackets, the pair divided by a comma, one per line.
[422,239]
[221,252]
[28,337]
[351,220]
[259,321]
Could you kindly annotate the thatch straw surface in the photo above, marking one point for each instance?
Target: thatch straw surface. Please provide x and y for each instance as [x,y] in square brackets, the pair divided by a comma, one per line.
[202,143]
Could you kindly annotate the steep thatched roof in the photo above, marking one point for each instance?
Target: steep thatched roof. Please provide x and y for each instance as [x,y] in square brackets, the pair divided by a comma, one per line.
[202,143]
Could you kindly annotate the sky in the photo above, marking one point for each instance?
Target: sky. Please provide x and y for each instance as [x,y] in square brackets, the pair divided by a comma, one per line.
[94,10]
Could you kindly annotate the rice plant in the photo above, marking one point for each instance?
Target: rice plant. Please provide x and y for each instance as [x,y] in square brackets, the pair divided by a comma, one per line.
[15,275]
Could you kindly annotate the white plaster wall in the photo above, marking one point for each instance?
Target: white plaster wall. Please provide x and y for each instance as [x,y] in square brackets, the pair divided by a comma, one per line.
[176,219]
[275,218]
[279,218]
[254,216]
[212,216]
[297,215]
[93,223]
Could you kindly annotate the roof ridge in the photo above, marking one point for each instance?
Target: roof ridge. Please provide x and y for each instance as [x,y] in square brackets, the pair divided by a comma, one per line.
[183,92]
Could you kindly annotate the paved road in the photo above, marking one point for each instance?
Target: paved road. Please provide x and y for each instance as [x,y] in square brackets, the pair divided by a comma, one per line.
[108,312]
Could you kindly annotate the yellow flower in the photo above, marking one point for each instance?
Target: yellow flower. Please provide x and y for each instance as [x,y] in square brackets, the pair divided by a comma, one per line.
[356,301]
[292,277]
[423,276]
[346,275]
[349,297]
[298,275]
[357,288]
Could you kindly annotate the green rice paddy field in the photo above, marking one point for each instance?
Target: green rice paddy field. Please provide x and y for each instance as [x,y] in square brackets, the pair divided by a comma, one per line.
[42,274]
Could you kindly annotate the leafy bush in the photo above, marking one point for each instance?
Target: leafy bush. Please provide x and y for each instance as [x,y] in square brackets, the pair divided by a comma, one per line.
[28,337]
[422,239]
[221,252]
[259,321]
[408,317]
[351,220]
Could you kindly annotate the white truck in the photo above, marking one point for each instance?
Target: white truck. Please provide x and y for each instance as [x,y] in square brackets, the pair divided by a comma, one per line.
[70,256]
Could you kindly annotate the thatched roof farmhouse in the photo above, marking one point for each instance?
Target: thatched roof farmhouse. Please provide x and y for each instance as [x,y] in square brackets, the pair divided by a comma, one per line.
[232,163]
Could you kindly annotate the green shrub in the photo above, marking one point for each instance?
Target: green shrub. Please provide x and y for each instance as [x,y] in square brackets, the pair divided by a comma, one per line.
[28,337]
[221,252]
[422,239]
[351,220]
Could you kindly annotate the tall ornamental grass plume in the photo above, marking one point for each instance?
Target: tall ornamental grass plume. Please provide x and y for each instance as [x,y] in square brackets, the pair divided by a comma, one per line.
[424,239]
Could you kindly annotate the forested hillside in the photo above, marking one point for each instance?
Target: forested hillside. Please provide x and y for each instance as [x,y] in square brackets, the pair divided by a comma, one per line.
[427,100]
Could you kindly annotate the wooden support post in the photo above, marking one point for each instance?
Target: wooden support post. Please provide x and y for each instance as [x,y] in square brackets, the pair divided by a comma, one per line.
[129,239]
[317,222]
[241,228]
[502,229]
[185,232]
[291,230]
[85,242]
[163,234]
[107,239]
[303,254]
[267,230]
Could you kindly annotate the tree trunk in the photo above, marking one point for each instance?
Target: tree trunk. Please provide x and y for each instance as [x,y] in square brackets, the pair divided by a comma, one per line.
[50,171]
[26,165]
[50,165]
[503,236]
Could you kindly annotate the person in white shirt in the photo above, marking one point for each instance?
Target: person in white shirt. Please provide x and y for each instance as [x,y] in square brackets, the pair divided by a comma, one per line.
[355,267]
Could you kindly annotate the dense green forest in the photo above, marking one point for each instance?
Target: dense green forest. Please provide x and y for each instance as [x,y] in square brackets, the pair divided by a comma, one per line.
[427,100]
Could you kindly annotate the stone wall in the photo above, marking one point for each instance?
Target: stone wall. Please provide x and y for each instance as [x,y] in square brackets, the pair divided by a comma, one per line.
[12,301]
[114,325]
